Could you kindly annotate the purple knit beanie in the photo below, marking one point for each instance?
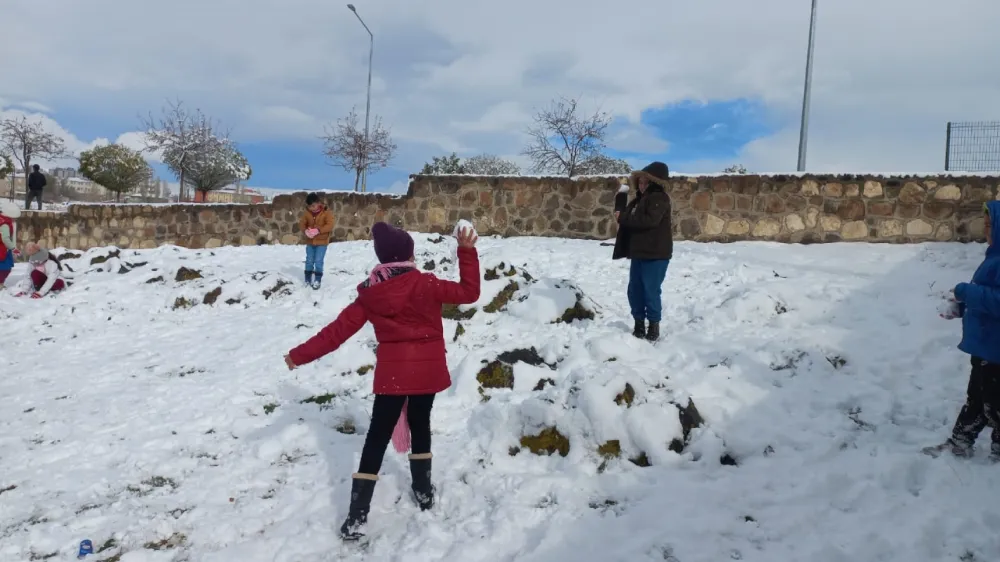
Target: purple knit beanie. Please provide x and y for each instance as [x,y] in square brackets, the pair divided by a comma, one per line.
[391,244]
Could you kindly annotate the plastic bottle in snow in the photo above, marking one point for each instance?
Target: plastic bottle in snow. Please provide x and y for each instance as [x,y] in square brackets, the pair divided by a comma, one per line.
[86,548]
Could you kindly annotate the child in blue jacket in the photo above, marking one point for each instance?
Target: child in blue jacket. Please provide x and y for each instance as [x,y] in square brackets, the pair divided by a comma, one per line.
[978,305]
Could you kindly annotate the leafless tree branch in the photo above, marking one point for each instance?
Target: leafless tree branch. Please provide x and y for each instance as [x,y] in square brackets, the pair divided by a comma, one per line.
[344,145]
[561,139]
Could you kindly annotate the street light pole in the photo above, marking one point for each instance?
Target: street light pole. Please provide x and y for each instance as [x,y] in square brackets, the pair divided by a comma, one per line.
[804,125]
[368,102]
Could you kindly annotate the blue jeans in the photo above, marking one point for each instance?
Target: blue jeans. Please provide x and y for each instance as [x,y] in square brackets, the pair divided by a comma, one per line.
[645,280]
[314,258]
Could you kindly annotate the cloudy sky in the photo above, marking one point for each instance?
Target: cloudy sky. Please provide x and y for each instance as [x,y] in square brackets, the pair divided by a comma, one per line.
[699,85]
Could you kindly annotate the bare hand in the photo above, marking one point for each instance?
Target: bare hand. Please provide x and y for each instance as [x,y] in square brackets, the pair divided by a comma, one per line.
[617,214]
[467,238]
[289,363]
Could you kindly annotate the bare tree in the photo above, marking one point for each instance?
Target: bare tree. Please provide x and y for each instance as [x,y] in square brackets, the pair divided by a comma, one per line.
[345,146]
[561,139]
[26,140]
[735,169]
[601,165]
[490,165]
[182,137]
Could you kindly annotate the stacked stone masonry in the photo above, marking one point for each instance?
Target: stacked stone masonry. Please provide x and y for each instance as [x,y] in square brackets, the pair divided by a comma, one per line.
[807,209]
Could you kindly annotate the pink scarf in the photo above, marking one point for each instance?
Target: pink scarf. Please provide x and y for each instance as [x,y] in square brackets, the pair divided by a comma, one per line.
[381,271]
[401,433]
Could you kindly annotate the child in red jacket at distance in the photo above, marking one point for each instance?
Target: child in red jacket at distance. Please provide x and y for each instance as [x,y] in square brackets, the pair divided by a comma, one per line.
[404,306]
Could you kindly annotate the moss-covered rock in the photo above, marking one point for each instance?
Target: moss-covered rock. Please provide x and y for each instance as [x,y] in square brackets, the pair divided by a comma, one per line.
[496,374]
[459,332]
[212,296]
[491,275]
[181,302]
[576,312]
[512,271]
[626,396]
[546,442]
[155,280]
[103,259]
[429,265]
[452,312]
[500,301]
[68,256]
[365,369]
[185,274]
[173,541]
[610,449]
[320,399]
[346,427]
[270,408]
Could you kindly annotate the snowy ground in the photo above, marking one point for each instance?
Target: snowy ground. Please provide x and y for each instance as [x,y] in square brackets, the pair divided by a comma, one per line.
[167,429]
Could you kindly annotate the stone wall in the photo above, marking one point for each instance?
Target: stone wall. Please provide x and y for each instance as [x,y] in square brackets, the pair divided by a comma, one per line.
[804,209]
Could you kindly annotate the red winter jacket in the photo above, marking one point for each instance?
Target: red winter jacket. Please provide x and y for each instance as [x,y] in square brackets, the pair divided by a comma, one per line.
[406,313]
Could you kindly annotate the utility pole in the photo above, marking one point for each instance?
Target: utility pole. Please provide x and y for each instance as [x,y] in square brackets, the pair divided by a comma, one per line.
[368,102]
[804,126]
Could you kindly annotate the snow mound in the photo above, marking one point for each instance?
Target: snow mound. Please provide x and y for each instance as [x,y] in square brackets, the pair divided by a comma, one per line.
[181,435]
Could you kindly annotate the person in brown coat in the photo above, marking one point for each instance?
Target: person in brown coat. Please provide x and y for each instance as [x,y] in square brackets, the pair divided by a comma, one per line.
[317,225]
[645,236]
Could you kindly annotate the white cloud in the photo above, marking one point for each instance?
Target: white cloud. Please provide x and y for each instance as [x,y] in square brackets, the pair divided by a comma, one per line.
[463,76]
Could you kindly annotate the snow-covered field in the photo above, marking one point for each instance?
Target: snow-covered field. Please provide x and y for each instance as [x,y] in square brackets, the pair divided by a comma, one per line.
[167,429]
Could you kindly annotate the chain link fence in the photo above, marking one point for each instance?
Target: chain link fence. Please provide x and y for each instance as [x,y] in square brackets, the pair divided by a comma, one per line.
[972,146]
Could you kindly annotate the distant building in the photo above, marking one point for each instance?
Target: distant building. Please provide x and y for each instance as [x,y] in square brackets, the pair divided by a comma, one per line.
[244,195]
[64,173]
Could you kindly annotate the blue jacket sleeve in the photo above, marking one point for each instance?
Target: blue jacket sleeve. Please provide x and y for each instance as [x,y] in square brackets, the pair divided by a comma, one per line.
[980,298]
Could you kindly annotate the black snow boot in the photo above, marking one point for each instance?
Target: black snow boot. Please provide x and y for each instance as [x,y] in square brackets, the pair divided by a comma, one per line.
[653,334]
[309,277]
[362,489]
[954,446]
[420,472]
[319,280]
[640,329]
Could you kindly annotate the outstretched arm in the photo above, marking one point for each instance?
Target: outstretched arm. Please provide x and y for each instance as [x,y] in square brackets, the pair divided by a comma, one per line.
[648,214]
[350,320]
[466,291]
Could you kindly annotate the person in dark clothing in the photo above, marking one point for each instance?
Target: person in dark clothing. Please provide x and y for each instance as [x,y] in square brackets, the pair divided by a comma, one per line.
[404,306]
[978,305]
[36,183]
[645,236]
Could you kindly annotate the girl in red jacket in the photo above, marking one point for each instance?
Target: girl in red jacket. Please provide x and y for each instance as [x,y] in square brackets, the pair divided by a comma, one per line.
[404,306]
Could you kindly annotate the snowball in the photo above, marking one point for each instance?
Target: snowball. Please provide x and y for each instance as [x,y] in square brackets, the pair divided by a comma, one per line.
[624,188]
[463,224]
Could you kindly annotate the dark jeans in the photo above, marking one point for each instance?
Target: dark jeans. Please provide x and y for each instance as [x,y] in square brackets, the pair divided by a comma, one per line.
[645,282]
[982,404]
[33,194]
[385,415]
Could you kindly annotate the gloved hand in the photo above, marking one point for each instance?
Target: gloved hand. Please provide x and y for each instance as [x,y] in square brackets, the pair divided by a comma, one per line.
[17,253]
[312,232]
[36,295]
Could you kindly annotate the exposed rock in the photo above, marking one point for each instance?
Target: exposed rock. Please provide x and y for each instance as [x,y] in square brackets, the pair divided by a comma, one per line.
[610,449]
[714,225]
[626,396]
[889,228]
[181,302]
[919,227]
[576,312]
[542,383]
[185,274]
[212,296]
[280,288]
[948,193]
[155,280]
[429,265]
[641,460]
[794,223]
[833,190]
[872,189]
[854,230]
[547,442]
[809,187]
[830,223]
[496,374]
[912,194]
[766,228]
[459,332]
[738,227]
[103,259]
[500,301]
[452,312]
